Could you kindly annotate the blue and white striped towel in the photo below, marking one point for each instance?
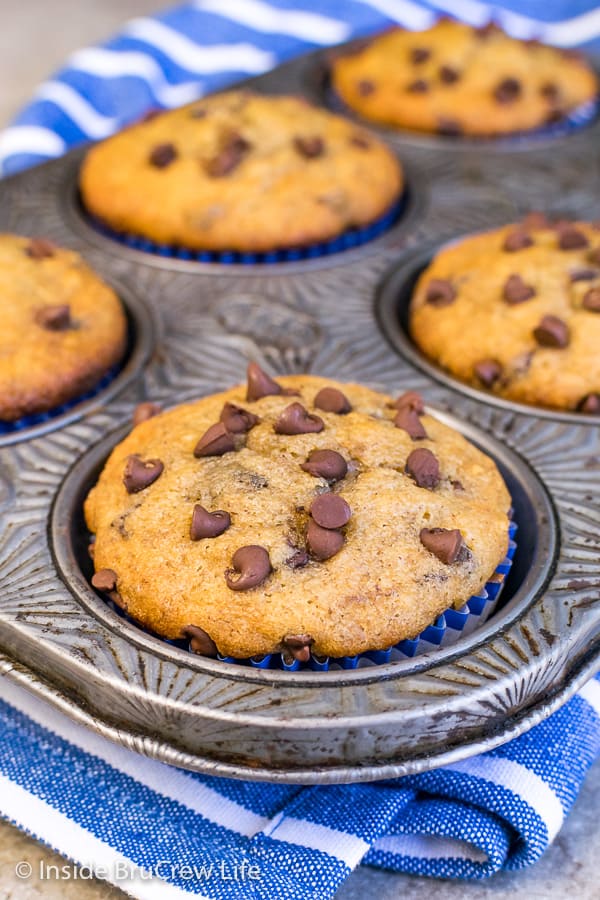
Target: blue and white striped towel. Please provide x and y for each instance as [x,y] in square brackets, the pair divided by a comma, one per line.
[159,832]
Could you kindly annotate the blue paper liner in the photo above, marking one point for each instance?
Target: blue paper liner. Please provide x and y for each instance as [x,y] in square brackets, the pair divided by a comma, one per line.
[353,237]
[446,630]
[25,422]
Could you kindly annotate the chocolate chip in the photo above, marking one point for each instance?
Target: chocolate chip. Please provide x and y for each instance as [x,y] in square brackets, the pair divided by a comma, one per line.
[40,248]
[488,371]
[590,404]
[584,275]
[162,156]
[330,511]
[250,567]
[295,419]
[310,147]
[215,441]
[550,91]
[323,543]
[419,86]
[412,400]
[448,75]
[141,473]
[552,332]
[200,641]
[516,291]
[207,524]
[508,90]
[145,411]
[365,87]
[231,154]
[440,292]
[518,239]
[296,646]
[571,238]
[104,580]
[449,127]
[594,256]
[408,419]
[360,141]
[298,559]
[237,420]
[419,55]
[331,400]
[424,468]
[326,464]
[260,384]
[54,318]
[591,300]
[444,543]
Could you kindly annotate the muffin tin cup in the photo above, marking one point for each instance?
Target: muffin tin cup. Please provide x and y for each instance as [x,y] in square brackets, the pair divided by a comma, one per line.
[61,640]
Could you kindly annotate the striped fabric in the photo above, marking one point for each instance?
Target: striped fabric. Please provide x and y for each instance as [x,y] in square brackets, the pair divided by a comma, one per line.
[159,832]
[177,56]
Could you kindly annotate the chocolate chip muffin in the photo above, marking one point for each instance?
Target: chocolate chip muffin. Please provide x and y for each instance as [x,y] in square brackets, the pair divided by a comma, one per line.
[63,329]
[454,79]
[293,516]
[242,172]
[517,311]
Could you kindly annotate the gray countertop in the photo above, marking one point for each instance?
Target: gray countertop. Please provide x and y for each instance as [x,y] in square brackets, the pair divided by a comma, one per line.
[36,36]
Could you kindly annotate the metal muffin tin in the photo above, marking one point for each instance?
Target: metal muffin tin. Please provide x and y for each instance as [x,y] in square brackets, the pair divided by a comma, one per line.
[194,328]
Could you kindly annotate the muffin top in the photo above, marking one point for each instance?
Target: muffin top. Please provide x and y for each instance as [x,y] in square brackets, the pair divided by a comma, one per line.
[455,79]
[62,327]
[295,515]
[517,311]
[240,171]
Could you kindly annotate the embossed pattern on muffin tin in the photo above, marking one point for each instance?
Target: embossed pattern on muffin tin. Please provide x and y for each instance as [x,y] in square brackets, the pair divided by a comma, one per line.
[309,727]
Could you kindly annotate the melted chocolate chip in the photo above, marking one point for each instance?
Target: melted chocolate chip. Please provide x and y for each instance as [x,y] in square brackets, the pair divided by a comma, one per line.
[326,464]
[200,641]
[550,91]
[571,238]
[591,300]
[594,256]
[365,87]
[508,90]
[310,147]
[449,75]
[440,292]
[250,567]
[323,543]
[296,646]
[330,511]
[412,400]
[360,141]
[419,55]
[298,559]
[104,580]
[331,400]
[424,468]
[237,420]
[488,371]
[260,384]
[162,156]
[295,419]
[444,543]
[584,275]
[231,154]
[449,127]
[407,418]
[518,239]
[54,318]
[590,404]
[419,86]
[207,524]
[516,291]
[552,332]
[141,473]
[215,441]
[145,411]
[40,248]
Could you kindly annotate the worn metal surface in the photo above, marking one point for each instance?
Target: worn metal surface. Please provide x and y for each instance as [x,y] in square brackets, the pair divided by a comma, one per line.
[196,327]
